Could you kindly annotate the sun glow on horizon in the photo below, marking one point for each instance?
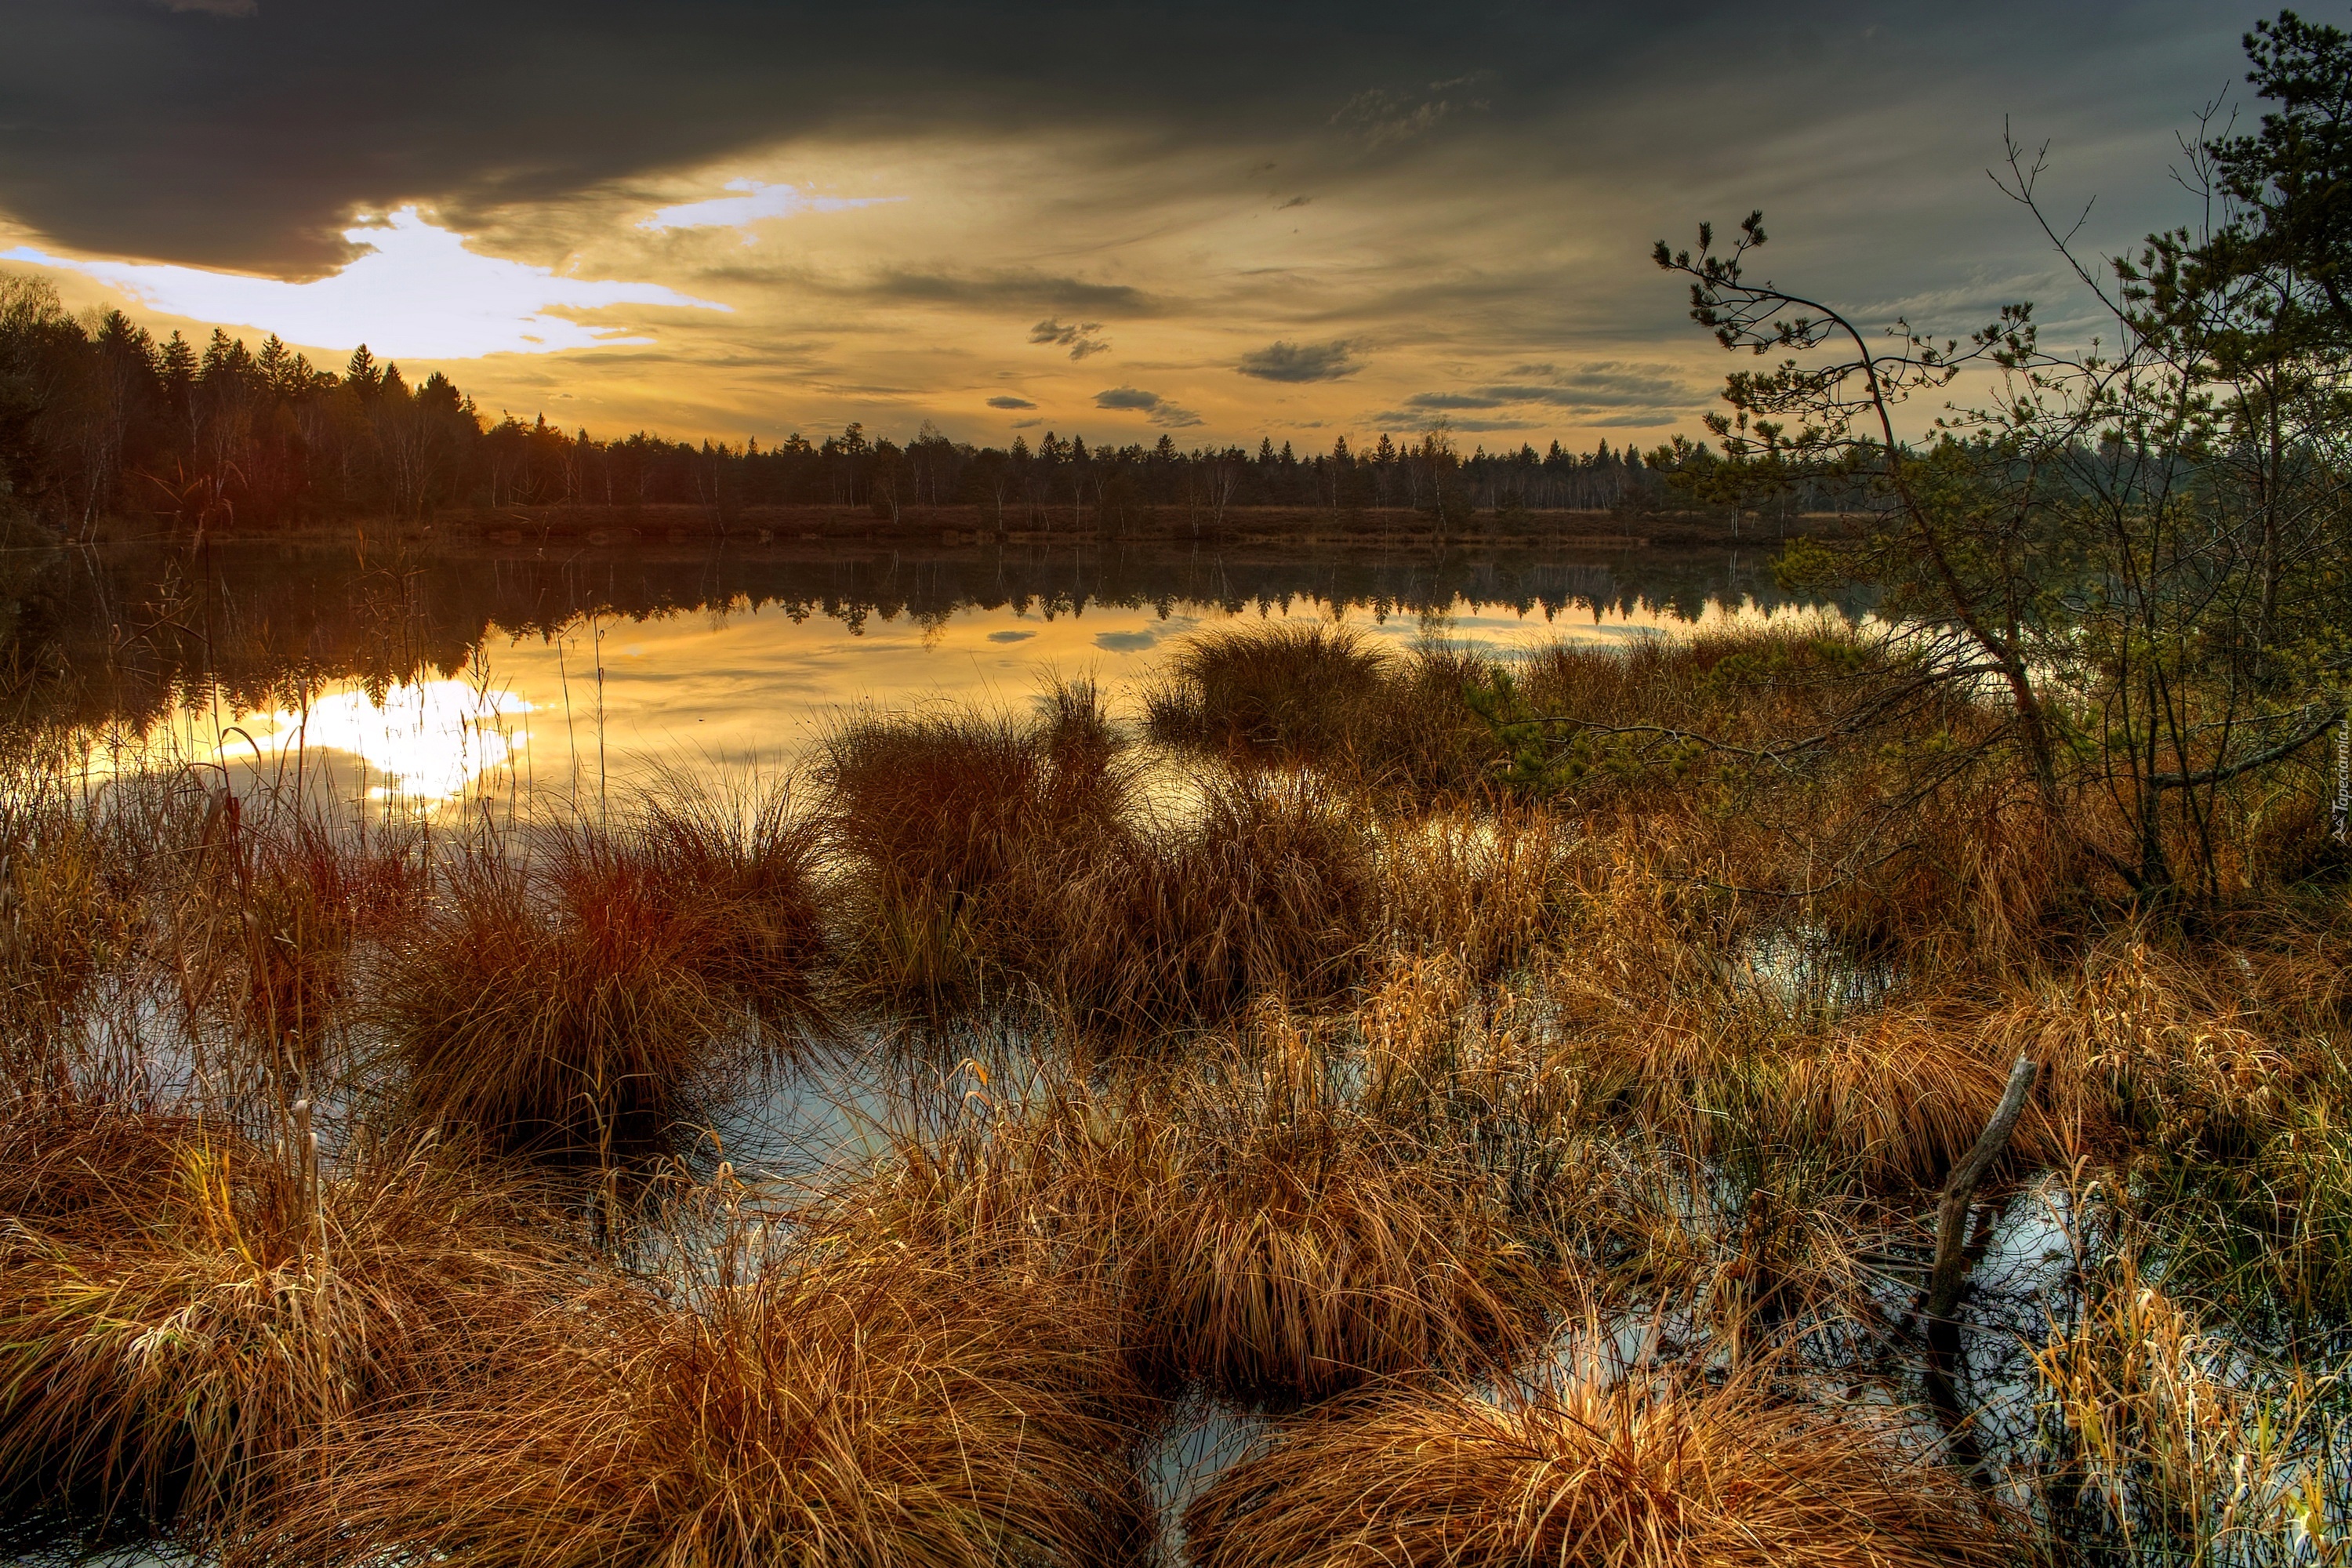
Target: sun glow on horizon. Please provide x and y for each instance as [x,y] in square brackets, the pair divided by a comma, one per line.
[416,292]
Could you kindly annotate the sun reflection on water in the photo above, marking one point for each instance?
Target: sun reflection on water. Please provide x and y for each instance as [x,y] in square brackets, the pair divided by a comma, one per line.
[431,741]
[424,742]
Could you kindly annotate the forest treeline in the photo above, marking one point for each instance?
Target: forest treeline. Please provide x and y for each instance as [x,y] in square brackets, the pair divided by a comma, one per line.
[98,420]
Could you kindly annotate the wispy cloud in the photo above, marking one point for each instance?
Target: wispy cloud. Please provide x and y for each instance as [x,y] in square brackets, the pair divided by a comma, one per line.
[1015,287]
[1301,362]
[1631,392]
[1135,400]
[1078,337]
[1421,419]
[214,7]
[416,292]
[1383,117]
[758,204]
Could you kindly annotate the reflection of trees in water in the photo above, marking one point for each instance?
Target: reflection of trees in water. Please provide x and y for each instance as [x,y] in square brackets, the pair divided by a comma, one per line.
[126,632]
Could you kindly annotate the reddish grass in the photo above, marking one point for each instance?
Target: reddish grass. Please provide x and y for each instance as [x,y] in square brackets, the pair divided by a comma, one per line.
[578,999]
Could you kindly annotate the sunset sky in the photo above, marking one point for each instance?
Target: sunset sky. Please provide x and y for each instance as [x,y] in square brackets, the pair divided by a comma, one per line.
[739,219]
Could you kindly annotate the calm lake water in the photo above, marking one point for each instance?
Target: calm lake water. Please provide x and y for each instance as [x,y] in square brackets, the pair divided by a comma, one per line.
[430,678]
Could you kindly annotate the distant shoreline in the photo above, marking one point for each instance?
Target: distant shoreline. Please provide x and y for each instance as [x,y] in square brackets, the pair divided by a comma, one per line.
[600,526]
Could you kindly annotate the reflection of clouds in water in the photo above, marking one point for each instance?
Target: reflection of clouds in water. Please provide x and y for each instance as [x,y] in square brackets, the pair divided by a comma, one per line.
[761,686]
[430,740]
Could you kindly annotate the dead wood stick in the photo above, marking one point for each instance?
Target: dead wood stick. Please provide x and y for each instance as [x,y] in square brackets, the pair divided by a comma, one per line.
[1951,1268]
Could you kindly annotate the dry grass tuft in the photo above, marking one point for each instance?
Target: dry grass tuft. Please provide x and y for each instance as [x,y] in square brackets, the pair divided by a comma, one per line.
[1301,1249]
[1050,1180]
[64,926]
[825,1405]
[1745,682]
[287,907]
[1327,696]
[187,1316]
[1283,690]
[576,999]
[1268,889]
[1486,887]
[1581,1473]
[957,831]
[995,858]
[743,869]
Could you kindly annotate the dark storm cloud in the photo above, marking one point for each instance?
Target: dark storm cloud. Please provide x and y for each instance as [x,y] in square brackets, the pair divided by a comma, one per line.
[1010,403]
[219,132]
[143,132]
[1301,362]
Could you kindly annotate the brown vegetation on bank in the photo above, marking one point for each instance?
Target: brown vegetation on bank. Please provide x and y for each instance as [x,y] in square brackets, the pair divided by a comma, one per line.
[990,857]
[1665,525]
[1371,1027]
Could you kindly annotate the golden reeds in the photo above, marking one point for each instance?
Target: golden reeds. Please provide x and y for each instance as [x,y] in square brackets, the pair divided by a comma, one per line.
[1584,1474]
[2169,1442]
[1301,1249]
[803,1405]
[189,1316]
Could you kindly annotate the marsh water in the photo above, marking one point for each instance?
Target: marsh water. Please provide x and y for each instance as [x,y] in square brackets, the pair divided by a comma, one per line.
[428,679]
[431,675]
